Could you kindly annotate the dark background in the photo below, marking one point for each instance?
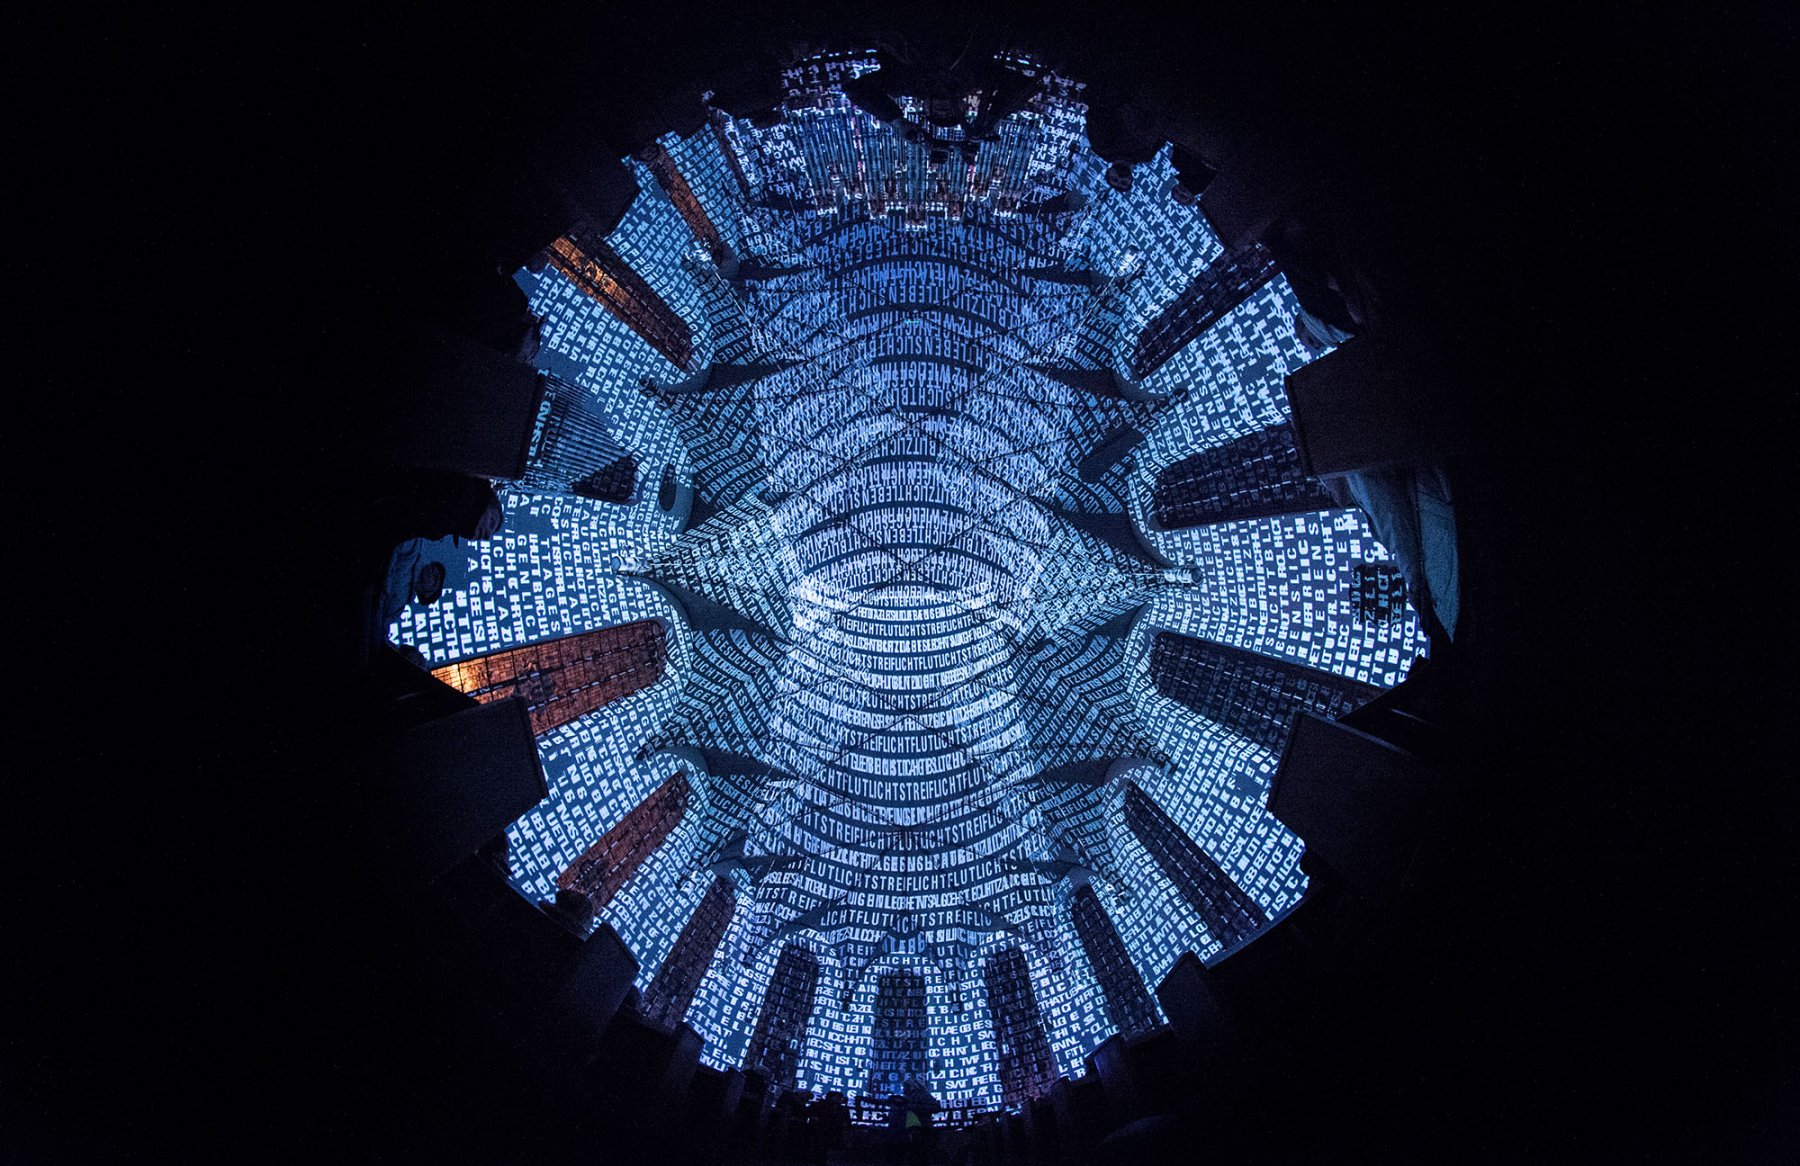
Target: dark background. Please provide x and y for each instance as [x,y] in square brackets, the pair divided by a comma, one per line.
[216,214]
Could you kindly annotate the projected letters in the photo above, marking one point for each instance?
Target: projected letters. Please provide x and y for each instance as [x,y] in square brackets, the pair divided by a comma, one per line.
[858,812]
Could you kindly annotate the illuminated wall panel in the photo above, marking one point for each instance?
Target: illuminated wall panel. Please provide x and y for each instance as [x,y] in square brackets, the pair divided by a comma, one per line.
[582,341]
[707,169]
[667,172]
[1162,245]
[1215,787]
[574,451]
[1290,587]
[1232,378]
[548,573]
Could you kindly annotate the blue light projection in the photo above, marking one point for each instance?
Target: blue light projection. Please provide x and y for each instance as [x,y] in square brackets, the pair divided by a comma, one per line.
[911,604]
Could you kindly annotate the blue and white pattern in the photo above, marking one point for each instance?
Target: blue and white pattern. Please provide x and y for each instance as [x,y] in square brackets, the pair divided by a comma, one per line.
[908,638]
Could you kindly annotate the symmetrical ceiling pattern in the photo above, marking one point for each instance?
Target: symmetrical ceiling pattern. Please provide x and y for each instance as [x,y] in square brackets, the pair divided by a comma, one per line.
[910,599]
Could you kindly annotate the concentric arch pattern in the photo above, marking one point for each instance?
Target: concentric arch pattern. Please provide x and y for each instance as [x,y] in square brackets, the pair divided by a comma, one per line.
[911,615]
[912,538]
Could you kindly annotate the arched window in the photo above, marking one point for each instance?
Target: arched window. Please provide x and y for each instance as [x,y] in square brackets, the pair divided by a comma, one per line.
[1255,476]
[1225,283]
[674,184]
[780,1037]
[574,452]
[1253,695]
[1230,914]
[899,1051]
[1128,1003]
[569,677]
[667,999]
[602,273]
[1027,1067]
[608,863]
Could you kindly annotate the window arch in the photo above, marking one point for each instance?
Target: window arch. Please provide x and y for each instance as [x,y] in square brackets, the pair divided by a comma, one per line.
[1253,695]
[606,865]
[568,677]
[900,1049]
[1027,1066]
[1257,475]
[1230,914]
[1128,1003]
[779,1042]
[669,995]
